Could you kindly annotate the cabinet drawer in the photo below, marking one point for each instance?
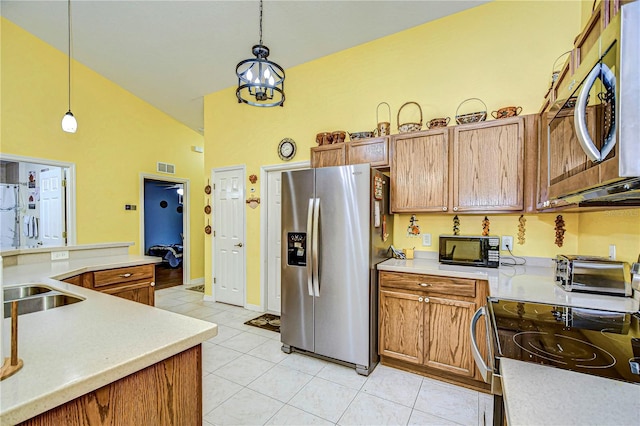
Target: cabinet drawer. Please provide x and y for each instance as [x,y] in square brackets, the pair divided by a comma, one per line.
[122,275]
[429,283]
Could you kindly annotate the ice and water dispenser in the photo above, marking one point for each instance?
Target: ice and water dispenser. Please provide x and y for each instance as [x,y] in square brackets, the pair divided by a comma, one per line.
[297,249]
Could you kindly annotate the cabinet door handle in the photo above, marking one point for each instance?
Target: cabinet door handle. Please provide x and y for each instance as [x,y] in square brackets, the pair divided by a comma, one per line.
[127,275]
[444,209]
[426,300]
[420,299]
[455,209]
[153,284]
[425,284]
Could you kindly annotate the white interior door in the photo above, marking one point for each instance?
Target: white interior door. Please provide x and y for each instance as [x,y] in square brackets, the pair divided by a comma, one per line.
[52,206]
[274,241]
[229,236]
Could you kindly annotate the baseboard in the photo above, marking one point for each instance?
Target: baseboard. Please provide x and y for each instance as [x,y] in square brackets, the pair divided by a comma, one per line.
[208,298]
[196,281]
[256,308]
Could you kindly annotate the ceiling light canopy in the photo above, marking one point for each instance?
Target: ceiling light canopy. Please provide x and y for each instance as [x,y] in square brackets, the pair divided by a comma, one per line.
[69,122]
[260,81]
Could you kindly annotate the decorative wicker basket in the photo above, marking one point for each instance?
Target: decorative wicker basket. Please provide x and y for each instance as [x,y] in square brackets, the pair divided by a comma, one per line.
[473,117]
[409,127]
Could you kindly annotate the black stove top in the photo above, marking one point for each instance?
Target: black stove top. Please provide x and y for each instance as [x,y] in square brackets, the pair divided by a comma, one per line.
[590,341]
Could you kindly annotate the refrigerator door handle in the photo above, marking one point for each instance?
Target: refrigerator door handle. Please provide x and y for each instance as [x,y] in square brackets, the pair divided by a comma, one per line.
[316,215]
[310,247]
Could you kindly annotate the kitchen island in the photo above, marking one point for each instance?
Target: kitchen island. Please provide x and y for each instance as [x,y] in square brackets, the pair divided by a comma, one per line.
[538,394]
[74,350]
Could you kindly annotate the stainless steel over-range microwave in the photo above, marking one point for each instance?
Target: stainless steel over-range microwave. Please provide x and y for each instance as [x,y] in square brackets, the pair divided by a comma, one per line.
[599,111]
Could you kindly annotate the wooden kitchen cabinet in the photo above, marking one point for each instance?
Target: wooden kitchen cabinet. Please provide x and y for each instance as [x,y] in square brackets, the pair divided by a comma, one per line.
[488,166]
[135,283]
[420,171]
[424,325]
[166,393]
[374,151]
[329,155]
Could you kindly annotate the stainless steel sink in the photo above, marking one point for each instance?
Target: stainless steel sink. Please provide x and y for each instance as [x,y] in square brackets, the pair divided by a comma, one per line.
[35,298]
[15,293]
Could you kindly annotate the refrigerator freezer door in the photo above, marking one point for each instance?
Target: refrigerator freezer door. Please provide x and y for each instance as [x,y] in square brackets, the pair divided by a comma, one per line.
[297,302]
[342,304]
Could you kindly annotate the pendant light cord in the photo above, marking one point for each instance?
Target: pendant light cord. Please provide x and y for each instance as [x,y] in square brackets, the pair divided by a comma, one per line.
[260,22]
[69,48]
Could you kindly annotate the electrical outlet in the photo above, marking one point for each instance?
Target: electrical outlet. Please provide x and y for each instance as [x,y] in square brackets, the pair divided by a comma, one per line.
[612,251]
[426,240]
[60,255]
[507,240]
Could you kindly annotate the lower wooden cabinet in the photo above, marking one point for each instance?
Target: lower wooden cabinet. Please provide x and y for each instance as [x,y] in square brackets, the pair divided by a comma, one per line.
[135,283]
[424,324]
[166,393]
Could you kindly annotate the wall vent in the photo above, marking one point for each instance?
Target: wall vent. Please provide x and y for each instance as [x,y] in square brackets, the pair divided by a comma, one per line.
[166,168]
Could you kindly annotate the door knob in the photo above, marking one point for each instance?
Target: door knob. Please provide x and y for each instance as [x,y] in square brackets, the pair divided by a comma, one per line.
[238,245]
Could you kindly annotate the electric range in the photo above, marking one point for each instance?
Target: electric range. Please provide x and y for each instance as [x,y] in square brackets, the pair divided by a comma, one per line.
[590,341]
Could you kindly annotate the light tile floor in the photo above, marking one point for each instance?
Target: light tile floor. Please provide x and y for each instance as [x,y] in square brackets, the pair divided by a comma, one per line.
[248,380]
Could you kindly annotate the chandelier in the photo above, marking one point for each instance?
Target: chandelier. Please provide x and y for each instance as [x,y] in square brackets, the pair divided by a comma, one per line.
[260,81]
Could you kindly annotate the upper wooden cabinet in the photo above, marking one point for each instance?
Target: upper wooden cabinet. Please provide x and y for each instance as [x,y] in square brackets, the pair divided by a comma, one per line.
[487,167]
[374,151]
[328,155]
[419,171]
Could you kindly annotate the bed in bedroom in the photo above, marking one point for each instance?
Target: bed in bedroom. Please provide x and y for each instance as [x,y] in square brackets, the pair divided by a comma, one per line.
[171,253]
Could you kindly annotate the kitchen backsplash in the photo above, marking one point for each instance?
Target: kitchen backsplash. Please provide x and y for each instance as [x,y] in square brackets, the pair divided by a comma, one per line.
[585,233]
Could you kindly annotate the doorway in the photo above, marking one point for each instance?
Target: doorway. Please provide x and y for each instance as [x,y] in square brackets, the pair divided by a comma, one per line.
[271,232]
[37,202]
[164,227]
[228,242]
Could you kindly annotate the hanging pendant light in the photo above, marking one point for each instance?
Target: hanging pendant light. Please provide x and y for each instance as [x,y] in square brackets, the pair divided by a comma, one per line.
[69,123]
[260,81]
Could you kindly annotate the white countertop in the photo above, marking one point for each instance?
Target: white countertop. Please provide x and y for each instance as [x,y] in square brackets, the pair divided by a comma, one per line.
[541,395]
[525,283]
[538,394]
[74,349]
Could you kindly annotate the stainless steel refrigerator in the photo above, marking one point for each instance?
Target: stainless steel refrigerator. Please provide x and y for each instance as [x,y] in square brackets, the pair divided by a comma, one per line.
[336,227]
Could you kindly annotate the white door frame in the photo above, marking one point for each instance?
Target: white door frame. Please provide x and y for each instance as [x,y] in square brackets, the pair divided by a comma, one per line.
[264,236]
[186,229]
[243,169]
[71,188]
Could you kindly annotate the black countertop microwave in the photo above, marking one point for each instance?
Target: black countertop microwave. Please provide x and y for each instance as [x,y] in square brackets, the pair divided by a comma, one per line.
[470,250]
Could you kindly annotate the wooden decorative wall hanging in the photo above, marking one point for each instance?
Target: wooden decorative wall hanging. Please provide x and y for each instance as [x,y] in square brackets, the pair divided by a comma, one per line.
[559,230]
[521,229]
[456,225]
[485,226]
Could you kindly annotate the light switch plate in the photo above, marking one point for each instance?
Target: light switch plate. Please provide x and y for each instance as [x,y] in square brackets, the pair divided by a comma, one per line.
[426,240]
[60,255]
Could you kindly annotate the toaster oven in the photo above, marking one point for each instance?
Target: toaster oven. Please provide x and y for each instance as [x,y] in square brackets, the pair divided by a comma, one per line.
[593,274]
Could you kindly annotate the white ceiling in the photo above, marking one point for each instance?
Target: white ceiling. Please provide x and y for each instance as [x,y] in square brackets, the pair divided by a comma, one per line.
[171,53]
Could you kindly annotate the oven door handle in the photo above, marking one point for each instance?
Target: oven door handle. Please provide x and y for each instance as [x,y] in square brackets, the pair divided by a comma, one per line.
[485,371]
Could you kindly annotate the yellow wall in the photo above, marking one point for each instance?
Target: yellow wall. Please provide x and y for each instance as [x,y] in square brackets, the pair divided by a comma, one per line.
[119,136]
[501,52]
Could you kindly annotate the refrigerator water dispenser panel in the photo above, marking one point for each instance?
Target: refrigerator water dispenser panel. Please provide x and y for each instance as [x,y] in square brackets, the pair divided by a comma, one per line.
[297,249]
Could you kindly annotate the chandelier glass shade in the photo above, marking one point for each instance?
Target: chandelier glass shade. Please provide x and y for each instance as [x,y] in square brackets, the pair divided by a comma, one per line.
[260,81]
